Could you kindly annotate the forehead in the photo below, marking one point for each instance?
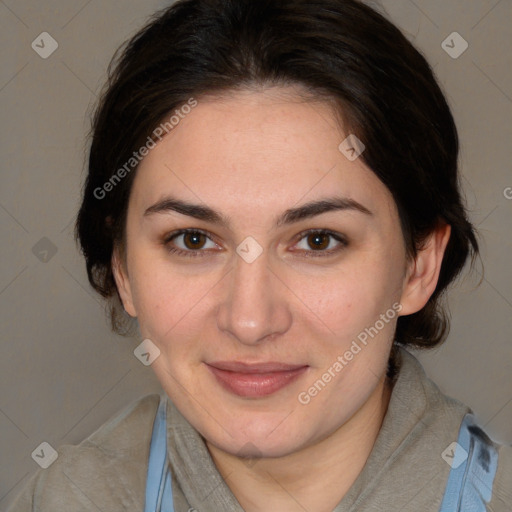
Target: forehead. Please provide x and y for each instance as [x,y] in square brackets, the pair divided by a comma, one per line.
[256,150]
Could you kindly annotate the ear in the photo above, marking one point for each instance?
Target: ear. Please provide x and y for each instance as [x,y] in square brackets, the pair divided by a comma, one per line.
[122,282]
[423,272]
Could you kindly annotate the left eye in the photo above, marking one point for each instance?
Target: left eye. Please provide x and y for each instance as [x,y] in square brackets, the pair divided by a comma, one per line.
[321,242]
[189,242]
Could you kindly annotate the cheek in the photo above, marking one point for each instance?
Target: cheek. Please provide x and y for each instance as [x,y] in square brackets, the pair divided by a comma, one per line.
[177,311]
[165,315]
[352,298]
[358,309]
[335,303]
[165,299]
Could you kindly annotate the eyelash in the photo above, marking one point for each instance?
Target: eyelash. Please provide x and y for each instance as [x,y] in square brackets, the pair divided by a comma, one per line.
[307,254]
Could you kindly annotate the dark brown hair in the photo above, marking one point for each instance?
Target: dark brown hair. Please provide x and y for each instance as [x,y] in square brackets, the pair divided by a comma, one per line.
[343,50]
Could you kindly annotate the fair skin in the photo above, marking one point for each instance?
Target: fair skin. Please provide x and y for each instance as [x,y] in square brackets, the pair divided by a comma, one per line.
[251,156]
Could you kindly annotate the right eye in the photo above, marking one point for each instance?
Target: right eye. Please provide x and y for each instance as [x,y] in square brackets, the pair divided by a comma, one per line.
[189,242]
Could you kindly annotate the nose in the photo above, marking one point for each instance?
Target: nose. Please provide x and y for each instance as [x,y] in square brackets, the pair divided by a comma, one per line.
[254,306]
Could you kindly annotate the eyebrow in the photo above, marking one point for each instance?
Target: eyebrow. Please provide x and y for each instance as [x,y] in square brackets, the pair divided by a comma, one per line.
[290,216]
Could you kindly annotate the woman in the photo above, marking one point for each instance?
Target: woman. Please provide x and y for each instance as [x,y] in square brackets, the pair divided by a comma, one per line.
[273,195]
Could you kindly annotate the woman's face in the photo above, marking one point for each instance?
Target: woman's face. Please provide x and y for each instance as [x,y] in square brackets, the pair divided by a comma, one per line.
[275,316]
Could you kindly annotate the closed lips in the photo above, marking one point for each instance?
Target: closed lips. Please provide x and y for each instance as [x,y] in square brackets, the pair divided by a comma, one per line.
[239,367]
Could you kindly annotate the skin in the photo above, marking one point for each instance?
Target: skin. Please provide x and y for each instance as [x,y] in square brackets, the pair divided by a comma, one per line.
[252,155]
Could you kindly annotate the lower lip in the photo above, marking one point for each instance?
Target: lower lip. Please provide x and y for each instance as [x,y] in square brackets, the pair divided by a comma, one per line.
[255,385]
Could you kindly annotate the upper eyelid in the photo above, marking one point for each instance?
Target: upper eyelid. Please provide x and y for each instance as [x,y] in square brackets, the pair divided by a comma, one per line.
[322,231]
[179,232]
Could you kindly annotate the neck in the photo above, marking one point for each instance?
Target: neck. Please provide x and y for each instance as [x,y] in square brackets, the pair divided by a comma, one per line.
[313,478]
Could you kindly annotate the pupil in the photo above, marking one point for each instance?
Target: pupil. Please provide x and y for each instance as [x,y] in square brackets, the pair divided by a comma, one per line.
[318,241]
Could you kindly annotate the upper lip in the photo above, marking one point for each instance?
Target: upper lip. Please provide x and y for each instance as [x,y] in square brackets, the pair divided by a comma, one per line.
[267,367]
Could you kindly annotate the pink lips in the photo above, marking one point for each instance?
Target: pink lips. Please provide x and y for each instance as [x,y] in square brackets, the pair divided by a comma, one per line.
[254,380]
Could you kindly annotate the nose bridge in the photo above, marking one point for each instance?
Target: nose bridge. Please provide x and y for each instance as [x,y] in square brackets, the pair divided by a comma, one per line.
[253,307]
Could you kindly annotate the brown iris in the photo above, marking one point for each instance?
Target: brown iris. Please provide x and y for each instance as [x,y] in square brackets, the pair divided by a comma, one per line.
[194,241]
[318,240]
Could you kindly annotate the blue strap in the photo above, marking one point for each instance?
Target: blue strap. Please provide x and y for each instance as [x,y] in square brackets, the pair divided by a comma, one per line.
[158,482]
[475,460]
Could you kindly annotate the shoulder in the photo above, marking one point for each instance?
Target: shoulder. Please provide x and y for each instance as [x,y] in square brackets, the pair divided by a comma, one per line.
[424,399]
[502,489]
[445,435]
[481,477]
[107,470]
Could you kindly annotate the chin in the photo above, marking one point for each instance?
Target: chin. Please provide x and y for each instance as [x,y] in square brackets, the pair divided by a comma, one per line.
[256,439]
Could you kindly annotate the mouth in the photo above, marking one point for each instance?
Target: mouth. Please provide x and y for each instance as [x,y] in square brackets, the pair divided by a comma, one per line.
[254,380]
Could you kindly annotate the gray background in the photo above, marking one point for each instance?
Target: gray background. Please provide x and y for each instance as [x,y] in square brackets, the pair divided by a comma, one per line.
[62,373]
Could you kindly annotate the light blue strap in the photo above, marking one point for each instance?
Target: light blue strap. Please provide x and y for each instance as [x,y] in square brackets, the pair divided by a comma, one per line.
[158,482]
[469,485]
